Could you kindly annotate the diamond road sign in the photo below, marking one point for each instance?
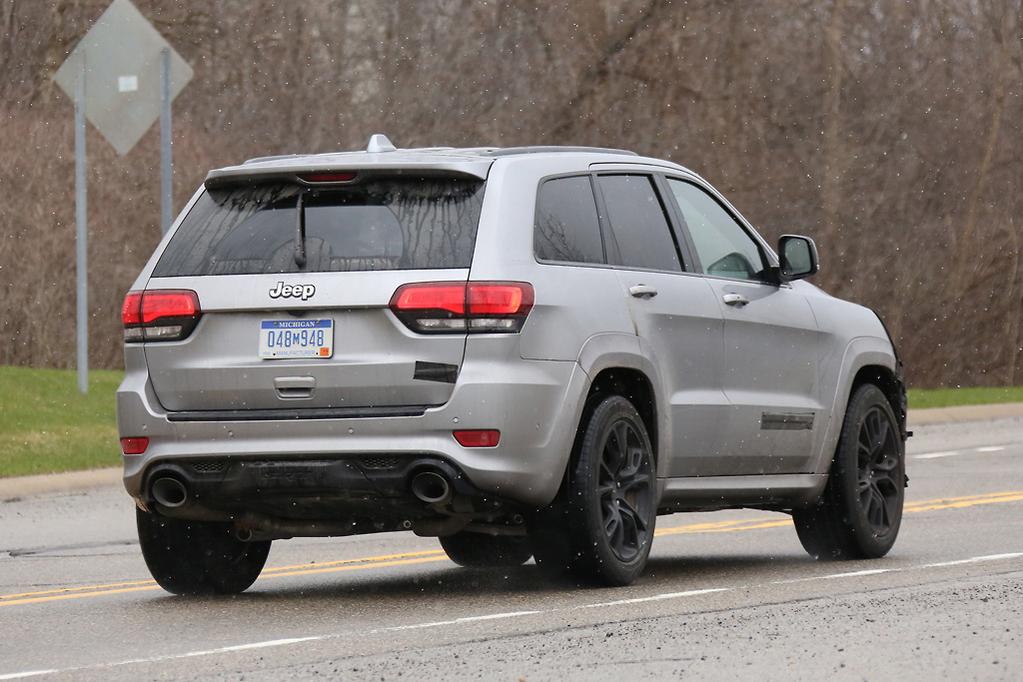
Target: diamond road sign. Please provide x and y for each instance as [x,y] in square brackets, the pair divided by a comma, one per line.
[122,54]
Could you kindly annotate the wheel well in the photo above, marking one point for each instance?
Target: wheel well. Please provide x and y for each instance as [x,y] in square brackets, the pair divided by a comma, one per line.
[886,380]
[632,384]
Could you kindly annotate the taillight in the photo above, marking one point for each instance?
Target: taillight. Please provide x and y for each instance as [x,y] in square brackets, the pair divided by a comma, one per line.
[159,315]
[474,307]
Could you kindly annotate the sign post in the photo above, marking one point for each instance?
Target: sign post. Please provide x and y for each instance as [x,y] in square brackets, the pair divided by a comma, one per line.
[133,77]
[166,162]
[81,237]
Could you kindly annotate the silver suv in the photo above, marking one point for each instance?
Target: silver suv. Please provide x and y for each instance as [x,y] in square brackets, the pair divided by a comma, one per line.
[524,352]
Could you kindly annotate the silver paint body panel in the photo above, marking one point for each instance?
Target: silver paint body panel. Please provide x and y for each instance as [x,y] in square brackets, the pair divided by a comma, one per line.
[715,370]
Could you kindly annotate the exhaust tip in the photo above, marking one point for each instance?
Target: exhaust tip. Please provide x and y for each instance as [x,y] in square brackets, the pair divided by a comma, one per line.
[169,492]
[431,487]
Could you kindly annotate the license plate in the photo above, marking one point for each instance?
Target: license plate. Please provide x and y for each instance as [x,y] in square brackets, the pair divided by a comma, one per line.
[296,339]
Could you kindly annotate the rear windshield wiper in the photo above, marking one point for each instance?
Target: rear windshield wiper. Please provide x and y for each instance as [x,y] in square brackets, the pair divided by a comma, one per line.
[300,231]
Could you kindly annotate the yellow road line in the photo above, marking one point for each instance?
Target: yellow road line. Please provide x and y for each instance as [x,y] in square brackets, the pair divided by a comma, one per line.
[267,572]
[722,527]
[153,586]
[368,559]
[909,508]
[337,569]
[430,556]
[963,503]
[983,496]
[63,590]
[77,595]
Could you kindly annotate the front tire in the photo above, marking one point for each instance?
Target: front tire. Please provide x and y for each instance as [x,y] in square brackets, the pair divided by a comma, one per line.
[198,557]
[477,550]
[602,524]
[859,514]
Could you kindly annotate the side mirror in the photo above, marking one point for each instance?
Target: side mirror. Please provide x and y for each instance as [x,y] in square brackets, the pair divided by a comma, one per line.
[798,257]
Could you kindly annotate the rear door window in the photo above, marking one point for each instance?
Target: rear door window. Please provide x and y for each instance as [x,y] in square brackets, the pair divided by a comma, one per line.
[377,224]
[566,226]
[639,224]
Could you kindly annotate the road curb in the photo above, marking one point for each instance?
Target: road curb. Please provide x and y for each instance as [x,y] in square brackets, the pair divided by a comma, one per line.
[73,481]
[964,413]
[70,481]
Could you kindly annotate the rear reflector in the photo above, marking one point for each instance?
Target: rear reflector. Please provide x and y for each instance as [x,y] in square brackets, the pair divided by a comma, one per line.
[159,314]
[134,446]
[480,307]
[477,438]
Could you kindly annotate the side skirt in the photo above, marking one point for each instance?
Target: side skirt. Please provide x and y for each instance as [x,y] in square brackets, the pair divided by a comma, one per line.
[710,493]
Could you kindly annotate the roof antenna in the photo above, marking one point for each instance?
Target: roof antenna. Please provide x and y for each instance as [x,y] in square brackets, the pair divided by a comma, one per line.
[379,143]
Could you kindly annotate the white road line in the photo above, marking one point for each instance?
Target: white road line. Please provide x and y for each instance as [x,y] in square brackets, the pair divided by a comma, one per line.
[833,576]
[975,560]
[855,574]
[492,616]
[953,453]
[936,455]
[264,645]
[205,652]
[458,621]
[656,597]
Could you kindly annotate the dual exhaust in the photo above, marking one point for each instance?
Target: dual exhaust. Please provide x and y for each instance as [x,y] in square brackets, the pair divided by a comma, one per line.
[429,486]
[169,492]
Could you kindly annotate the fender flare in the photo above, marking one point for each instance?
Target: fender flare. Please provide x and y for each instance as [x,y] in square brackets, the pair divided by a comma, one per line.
[628,351]
[860,352]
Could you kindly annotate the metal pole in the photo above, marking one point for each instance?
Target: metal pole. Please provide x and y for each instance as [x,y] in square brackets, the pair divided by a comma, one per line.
[81,238]
[166,161]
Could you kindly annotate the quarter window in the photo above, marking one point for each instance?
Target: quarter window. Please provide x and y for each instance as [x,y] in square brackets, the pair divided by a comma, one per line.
[566,227]
[638,222]
[725,249]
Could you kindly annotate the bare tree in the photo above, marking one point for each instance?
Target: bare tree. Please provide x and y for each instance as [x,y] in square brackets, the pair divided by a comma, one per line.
[890,131]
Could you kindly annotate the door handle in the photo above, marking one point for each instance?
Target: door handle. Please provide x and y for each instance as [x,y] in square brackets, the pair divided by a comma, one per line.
[294,388]
[735,299]
[642,291]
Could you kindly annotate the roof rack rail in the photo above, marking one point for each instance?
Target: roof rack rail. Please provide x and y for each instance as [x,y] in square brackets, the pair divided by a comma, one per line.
[547,149]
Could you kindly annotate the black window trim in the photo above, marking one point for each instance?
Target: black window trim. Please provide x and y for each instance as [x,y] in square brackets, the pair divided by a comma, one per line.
[683,228]
[613,242]
[604,241]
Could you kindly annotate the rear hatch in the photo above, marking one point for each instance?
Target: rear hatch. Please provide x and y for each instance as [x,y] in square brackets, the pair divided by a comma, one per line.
[293,278]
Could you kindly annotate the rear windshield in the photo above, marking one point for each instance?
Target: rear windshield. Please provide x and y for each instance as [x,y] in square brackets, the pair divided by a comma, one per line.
[378,224]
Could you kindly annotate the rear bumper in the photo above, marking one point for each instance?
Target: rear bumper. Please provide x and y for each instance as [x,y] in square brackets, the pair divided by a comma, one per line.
[535,404]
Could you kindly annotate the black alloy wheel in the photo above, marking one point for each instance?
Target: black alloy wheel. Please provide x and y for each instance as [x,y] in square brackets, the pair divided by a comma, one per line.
[859,514]
[624,484]
[601,525]
[878,456]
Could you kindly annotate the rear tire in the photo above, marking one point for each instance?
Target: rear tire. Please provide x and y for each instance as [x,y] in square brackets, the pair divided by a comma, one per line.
[859,514]
[198,557]
[478,550]
[601,525]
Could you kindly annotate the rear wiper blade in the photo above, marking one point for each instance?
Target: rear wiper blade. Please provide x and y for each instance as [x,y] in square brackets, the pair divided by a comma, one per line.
[300,231]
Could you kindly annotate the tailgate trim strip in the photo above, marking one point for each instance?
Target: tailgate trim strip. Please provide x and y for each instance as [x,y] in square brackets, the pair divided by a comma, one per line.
[298,413]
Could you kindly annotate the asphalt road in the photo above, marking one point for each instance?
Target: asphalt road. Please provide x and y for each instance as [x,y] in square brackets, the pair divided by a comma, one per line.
[727,595]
